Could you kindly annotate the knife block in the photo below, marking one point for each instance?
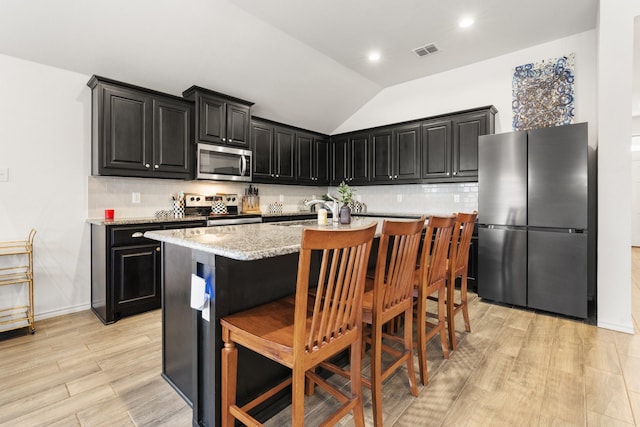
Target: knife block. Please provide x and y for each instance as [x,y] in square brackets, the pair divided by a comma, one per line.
[250,204]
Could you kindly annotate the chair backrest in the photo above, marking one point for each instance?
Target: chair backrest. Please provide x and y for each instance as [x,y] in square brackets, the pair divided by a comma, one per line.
[395,263]
[336,308]
[460,242]
[435,250]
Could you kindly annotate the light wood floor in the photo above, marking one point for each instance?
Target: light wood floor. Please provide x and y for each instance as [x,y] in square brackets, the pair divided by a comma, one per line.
[515,368]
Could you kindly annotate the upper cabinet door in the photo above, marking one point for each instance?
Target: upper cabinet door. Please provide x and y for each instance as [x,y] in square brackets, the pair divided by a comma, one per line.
[340,170]
[127,140]
[211,117]
[262,148]
[382,155]
[172,136]
[406,152]
[305,157]
[237,128]
[322,161]
[359,161]
[284,153]
[436,149]
[466,130]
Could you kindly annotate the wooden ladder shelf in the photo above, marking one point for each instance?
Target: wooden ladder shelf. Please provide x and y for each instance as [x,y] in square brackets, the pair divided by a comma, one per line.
[19,316]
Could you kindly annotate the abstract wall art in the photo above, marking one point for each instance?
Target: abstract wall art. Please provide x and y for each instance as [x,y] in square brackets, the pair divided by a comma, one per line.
[543,93]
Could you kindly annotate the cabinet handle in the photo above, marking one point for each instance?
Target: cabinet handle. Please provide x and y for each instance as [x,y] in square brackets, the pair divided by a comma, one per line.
[158,249]
[455,173]
[230,139]
[448,173]
[390,177]
[146,165]
[224,139]
[137,234]
[395,177]
[156,166]
[277,176]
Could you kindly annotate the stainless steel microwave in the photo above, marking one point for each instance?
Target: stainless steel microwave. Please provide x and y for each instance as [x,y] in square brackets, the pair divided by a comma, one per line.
[223,163]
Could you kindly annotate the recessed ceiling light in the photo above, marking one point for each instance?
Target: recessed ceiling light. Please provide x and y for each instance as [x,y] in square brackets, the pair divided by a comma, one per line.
[374,56]
[466,22]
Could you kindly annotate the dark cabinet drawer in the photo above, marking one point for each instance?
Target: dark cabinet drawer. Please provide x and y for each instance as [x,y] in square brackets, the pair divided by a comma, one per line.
[132,235]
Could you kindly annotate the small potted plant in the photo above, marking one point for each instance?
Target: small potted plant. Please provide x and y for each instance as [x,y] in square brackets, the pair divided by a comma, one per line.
[345,194]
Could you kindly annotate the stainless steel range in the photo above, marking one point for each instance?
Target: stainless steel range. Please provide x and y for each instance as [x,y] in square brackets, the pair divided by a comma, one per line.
[222,209]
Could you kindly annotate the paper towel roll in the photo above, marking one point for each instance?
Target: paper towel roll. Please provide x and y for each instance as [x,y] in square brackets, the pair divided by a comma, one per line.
[198,292]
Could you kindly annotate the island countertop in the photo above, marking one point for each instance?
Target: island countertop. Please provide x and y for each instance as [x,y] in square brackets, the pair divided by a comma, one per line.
[248,242]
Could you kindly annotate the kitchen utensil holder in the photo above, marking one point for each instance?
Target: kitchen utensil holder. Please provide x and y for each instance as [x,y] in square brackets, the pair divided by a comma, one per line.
[275,208]
[178,209]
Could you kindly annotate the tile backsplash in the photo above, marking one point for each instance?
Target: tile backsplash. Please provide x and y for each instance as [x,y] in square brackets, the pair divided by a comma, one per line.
[116,193]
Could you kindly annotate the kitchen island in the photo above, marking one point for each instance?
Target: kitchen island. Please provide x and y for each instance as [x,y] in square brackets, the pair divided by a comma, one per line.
[246,265]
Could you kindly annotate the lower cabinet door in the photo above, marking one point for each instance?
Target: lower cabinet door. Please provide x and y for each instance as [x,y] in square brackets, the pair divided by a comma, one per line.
[136,286]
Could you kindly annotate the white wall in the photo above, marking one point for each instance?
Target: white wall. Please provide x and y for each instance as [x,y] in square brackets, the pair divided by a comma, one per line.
[45,143]
[615,53]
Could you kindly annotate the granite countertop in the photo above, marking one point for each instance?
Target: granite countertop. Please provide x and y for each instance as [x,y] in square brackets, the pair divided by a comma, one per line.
[143,220]
[250,241]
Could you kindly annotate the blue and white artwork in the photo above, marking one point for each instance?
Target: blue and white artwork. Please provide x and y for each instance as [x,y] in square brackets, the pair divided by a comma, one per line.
[543,93]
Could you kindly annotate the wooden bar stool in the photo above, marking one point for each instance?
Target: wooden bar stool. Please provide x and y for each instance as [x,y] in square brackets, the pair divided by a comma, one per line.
[303,331]
[391,296]
[429,278]
[457,268]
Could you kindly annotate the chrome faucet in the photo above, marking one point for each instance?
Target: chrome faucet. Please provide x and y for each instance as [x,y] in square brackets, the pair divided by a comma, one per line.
[333,206]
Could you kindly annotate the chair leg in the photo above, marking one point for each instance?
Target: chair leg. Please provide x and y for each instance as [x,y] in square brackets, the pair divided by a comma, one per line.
[465,306]
[297,396]
[451,311]
[376,374]
[408,348]
[421,320]
[229,377]
[356,382]
[310,385]
[444,343]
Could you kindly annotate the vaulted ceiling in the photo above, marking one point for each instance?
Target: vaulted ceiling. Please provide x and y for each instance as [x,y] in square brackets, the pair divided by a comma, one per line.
[301,62]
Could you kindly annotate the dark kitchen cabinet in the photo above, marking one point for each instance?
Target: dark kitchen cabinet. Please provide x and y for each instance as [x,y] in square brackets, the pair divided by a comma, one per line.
[466,130]
[220,119]
[139,132]
[273,148]
[350,155]
[125,268]
[450,145]
[312,165]
[395,154]
[436,149]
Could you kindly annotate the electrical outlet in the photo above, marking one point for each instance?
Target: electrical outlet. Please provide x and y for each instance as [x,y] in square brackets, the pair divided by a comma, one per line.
[399,197]
[282,197]
[456,198]
[135,197]
[4,174]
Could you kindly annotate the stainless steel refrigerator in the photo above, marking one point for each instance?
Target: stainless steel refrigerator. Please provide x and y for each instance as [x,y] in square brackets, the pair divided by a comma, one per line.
[536,210]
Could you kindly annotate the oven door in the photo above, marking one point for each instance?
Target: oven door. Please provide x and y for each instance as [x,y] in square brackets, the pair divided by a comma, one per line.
[223,163]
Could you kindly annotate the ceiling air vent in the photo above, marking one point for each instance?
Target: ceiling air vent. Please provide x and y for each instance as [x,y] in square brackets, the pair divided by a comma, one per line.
[425,50]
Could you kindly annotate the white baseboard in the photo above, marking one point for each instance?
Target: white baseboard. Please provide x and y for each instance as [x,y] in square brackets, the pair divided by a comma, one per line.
[62,311]
[626,328]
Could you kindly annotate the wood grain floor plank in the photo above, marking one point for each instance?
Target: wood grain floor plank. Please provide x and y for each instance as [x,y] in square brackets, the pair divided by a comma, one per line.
[606,395]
